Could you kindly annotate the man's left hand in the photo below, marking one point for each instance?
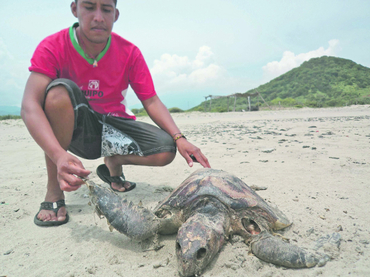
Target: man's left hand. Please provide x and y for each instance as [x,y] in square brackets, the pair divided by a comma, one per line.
[186,149]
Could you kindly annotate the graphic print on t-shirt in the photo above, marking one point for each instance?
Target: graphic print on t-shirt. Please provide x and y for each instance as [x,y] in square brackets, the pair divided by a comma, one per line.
[94,84]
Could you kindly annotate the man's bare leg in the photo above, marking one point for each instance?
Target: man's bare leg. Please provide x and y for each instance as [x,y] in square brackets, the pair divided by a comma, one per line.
[59,111]
[115,163]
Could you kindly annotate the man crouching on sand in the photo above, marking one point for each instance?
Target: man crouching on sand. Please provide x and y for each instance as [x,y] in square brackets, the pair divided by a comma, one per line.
[75,100]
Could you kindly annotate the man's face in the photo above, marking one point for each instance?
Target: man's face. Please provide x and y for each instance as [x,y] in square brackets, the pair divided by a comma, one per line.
[96,18]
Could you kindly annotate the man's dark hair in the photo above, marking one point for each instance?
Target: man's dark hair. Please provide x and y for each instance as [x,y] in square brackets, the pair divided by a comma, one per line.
[115,2]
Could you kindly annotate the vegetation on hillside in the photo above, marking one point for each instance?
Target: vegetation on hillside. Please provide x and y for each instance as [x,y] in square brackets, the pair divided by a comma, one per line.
[142,111]
[319,82]
[5,117]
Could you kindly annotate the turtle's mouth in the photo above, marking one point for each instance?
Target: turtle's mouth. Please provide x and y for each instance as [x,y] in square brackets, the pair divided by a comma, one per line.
[251,226]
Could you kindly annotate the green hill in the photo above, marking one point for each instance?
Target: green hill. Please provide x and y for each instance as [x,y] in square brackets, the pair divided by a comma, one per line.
[319,82]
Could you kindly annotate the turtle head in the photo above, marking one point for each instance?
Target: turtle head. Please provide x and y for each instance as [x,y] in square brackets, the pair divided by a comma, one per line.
[198,241]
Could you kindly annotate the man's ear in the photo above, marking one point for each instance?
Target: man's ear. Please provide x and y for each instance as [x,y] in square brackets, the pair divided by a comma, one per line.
[74,8]
[117,15]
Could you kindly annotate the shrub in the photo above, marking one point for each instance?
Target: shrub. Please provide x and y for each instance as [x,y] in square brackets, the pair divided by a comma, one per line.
[199,109]
[139,112]
[5,117]
[219,110]
[175,110]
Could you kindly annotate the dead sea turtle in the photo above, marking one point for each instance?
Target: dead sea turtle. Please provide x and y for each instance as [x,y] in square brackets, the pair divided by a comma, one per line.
[205,210]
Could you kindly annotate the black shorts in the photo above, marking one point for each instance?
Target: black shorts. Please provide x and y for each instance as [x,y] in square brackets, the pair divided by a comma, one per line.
[96,135]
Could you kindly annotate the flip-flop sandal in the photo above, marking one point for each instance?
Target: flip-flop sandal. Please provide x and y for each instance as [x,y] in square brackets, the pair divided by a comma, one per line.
[51,206]
[103,173]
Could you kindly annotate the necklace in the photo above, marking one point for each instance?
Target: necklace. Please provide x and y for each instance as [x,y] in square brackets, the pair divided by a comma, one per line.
[95,63]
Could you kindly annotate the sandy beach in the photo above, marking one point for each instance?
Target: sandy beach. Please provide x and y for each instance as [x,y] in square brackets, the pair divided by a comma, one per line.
[315,164]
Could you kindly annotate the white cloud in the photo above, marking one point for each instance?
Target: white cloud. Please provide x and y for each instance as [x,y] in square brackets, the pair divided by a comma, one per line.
[172,72]
[13,76]
[4,52]
[290,60]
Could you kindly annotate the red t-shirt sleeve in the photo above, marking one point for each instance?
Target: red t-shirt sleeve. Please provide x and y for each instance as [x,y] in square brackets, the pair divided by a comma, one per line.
[140,78]
[44,60]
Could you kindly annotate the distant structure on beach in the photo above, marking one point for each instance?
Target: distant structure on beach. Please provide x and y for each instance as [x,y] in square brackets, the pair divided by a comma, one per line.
[235,95]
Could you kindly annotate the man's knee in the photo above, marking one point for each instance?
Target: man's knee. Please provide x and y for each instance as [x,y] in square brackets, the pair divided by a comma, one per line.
[165,158]
[57,98]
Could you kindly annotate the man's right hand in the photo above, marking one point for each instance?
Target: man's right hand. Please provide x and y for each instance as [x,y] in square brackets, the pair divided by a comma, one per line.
[69,170]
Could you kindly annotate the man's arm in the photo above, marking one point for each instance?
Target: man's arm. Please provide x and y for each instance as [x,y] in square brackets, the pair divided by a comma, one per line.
[34,116]
[40,129]
[161,116]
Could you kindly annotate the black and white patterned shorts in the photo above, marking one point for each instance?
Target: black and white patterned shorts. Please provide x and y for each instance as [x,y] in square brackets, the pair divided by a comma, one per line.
[96,135]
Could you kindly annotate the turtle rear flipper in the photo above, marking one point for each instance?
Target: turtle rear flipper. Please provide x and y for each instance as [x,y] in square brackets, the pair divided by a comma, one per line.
[273,250]
[134,221]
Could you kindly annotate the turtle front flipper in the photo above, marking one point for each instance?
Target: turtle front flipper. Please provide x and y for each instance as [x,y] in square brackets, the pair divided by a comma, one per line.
[273,250]
[134,221]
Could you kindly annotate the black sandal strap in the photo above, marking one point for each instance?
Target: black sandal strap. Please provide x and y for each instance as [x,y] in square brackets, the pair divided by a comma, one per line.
[117,179]
[53,206]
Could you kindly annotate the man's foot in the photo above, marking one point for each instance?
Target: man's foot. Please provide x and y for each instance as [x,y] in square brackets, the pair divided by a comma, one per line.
[126,186]
[117,183]
[47,215]
[52,214]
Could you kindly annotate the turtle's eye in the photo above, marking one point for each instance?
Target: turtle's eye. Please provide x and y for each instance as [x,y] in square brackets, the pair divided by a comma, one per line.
[201,253]
[163,214]
[251,226]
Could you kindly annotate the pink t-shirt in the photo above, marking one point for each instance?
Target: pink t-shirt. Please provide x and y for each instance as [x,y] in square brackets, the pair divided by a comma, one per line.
[104,83]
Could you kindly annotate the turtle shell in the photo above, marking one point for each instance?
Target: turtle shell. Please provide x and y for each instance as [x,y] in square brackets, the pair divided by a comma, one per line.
[225,187]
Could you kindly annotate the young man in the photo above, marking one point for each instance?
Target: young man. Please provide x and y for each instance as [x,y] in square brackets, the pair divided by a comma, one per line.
[75,100]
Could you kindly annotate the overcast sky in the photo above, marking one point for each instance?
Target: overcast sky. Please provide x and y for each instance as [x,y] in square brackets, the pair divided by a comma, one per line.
[198,47]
